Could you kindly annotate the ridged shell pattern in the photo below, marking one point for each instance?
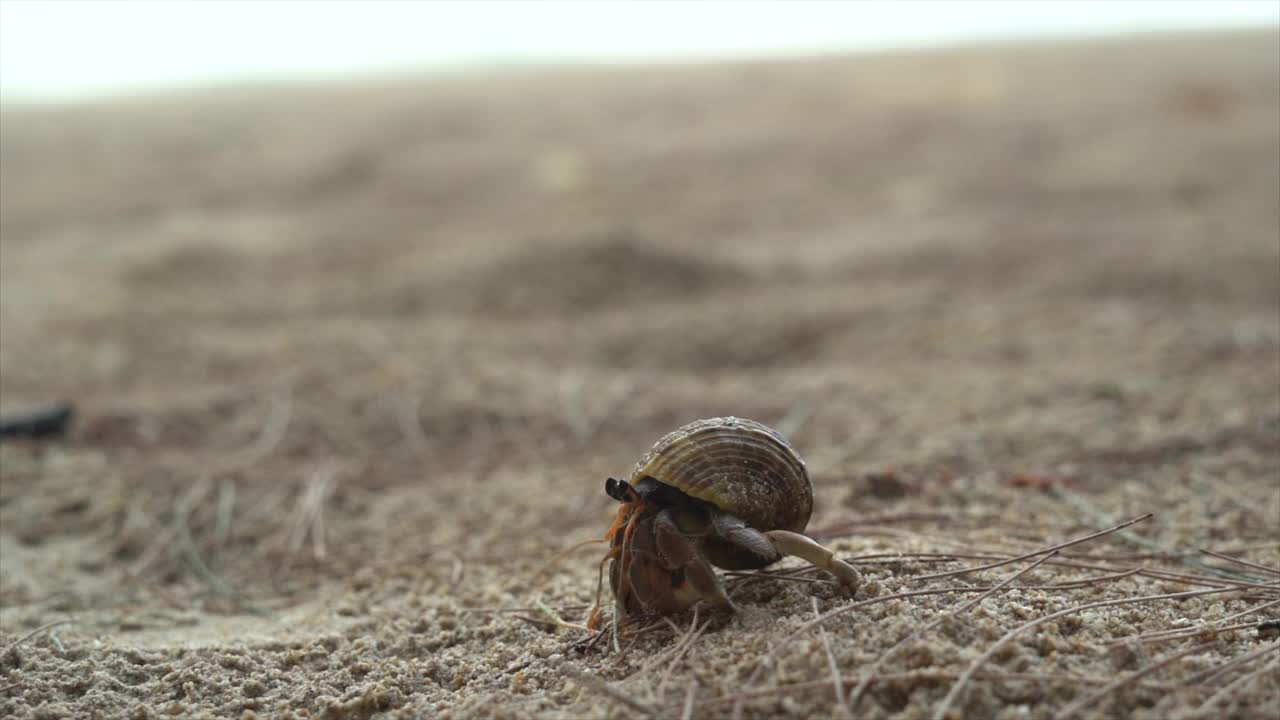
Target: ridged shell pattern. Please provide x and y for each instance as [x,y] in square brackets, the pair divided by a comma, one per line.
[740,466]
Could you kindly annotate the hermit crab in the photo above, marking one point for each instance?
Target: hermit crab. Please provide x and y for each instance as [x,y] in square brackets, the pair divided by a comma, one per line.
[724,492]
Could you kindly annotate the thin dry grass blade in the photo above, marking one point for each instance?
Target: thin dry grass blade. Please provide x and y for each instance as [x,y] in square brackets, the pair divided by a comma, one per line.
[1239,683]
[1208,675]
[831,658]
[1215,626]
[1245,563]
[1123,681]
[884,657]
[1036,553]
[968,674]
[594,683]
[47,626]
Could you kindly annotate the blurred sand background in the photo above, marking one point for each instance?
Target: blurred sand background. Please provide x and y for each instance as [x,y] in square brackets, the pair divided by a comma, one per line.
[352,361]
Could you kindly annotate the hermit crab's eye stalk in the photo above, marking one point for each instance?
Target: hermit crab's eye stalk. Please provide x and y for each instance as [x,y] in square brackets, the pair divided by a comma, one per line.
[618,490]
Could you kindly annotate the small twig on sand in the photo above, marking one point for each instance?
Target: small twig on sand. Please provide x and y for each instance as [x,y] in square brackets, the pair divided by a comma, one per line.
[178,538]
[1044,551]
[226,511]
[1184,578]
[791,575]
[1152,573]
[746,578]
[57,642]
[687,713]
[1246,563]
[770,656]
[1238,683]
[309,518]
[917,675]
[875,667]
[537,622]
[836,681]
[1177,633]
[548,565]
[739,698]
[1083,505]
[686,642]
[587,643]
[188,548]
[1208,581]
[556,619]
[1207,676]
[513,610]
[1209,630]
[973,668]
[1092,698]
[1110,577]
[457,568]
[591,682]
[14,645]
[272,432]
[1049,551]
[164,541]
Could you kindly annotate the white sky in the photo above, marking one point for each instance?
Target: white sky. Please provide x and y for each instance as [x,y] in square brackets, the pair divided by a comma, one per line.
[68,49]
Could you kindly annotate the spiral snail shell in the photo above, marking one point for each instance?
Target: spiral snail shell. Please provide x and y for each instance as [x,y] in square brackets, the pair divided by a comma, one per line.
[738,465]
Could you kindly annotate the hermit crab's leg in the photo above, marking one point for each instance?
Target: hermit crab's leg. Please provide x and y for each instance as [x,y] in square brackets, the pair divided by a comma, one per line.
[678,552]
[789,543]
[624,562]
[593,618]
[618,520]
[772,545]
